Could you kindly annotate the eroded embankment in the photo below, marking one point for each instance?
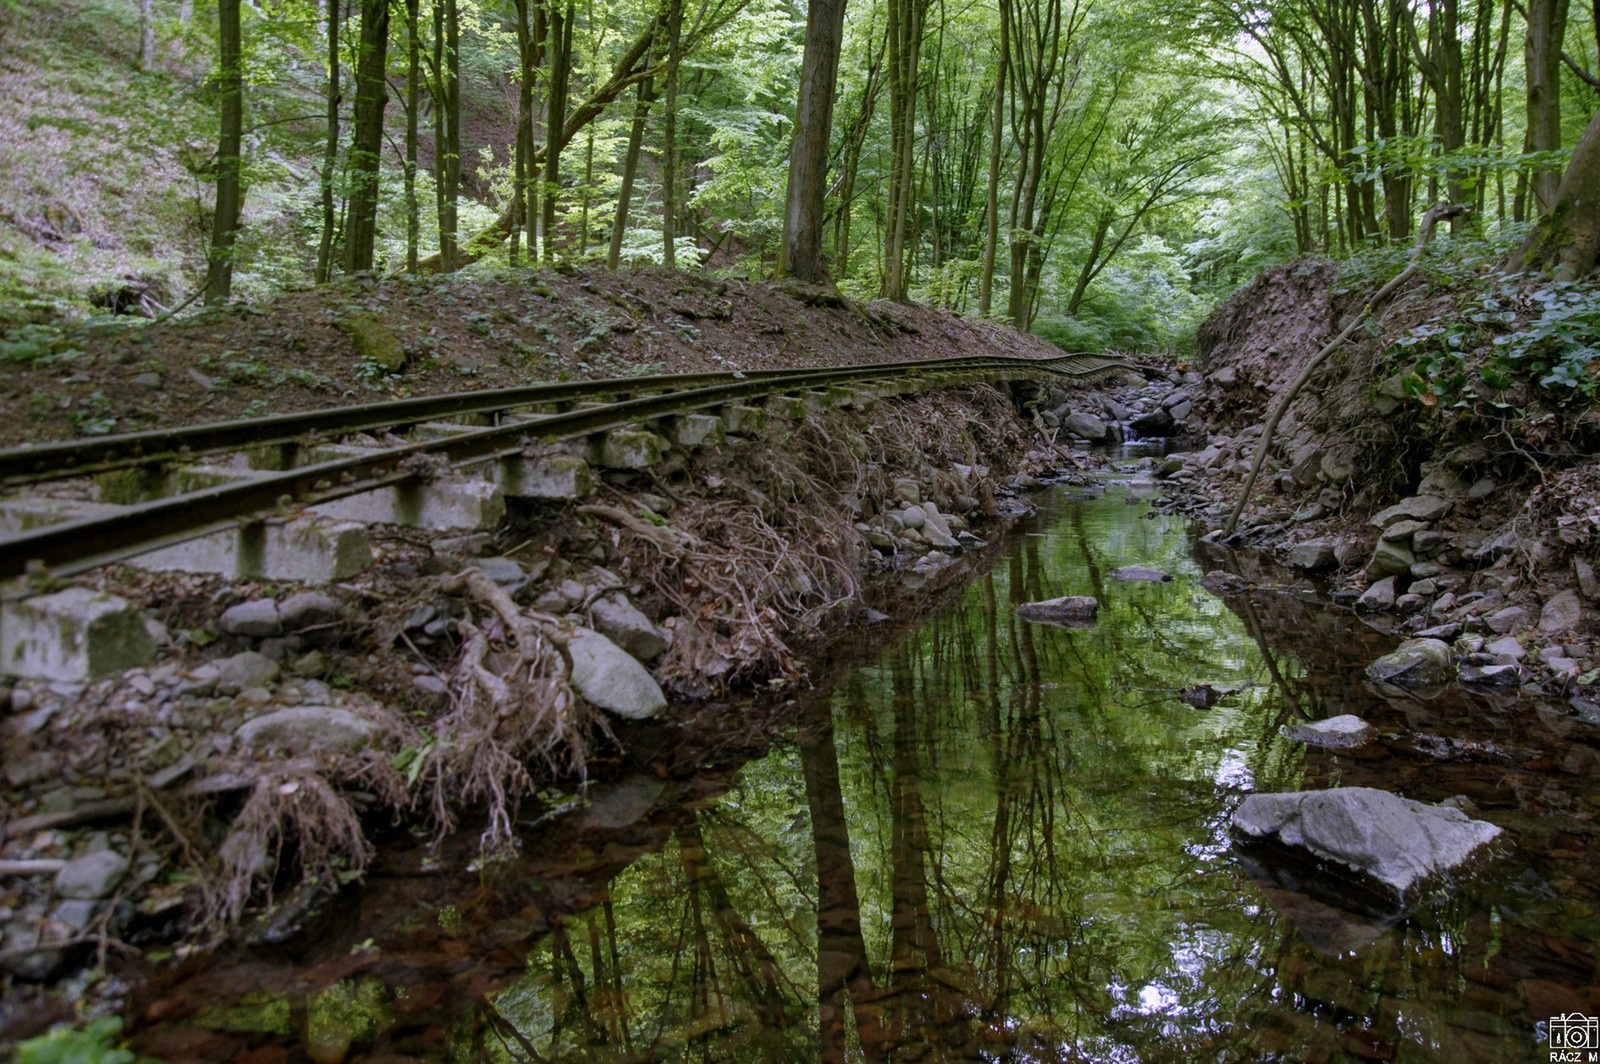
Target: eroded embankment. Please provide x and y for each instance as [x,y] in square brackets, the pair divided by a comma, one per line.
[367,339]
[282,732]
[1436,469]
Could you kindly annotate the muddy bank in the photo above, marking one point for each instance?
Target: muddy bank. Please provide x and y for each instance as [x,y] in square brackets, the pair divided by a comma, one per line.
[1433,503]
[466,683]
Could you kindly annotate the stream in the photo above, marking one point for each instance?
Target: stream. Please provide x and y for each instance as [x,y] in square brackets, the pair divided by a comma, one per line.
[973,838]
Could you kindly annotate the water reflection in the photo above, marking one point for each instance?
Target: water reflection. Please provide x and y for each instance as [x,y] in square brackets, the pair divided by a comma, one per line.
[988,840]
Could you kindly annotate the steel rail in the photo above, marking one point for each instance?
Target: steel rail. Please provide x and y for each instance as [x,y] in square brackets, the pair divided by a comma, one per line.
[31,463]
[72,546]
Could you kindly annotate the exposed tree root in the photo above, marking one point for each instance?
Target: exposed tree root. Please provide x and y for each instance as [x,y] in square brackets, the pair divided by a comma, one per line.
[510,704]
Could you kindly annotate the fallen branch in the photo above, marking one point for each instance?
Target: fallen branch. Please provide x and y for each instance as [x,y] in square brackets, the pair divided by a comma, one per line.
[44,866]
[108,808]
[1424,234]
[666,537]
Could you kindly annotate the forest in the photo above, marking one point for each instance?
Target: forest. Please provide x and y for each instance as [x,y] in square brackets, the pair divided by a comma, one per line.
[1101,172]
[857,530]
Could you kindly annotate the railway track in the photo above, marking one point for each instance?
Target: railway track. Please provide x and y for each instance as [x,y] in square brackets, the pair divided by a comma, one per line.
[45,533]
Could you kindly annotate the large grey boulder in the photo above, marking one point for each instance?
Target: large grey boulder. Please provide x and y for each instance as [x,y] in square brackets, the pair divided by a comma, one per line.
[1086,426]
[1510,619]
[623,623]
[1415,663]
[1314,556]
[305,609]
[1377,598]
[609,677]
[1390,558]
[1391,848]
[510,576]
[1158,422]
[307,730]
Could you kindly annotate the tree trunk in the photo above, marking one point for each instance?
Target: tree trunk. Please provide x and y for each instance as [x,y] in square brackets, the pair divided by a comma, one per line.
[441,138]
[801,256]
[586,196]
[524,147]
[330,151]
[413,103]
[452,102]
[906,18]
[147,34]
[1567,239]
[1547,26]
[630,170]
[669,137]
[230,193]
[991,201]
[366,142]
[560,80]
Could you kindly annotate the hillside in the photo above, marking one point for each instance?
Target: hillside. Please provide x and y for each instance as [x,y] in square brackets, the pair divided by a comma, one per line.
[456,333]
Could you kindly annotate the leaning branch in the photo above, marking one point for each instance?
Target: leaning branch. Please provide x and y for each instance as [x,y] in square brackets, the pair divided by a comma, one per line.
[629,70]
[1424,234]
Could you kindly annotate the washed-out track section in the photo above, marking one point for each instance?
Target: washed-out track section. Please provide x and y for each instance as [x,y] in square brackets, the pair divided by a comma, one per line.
[289,497]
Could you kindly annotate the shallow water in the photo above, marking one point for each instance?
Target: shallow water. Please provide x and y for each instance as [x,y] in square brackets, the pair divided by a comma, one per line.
[985,839]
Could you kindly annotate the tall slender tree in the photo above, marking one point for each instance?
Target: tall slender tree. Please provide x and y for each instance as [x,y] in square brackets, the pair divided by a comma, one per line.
[330,150]
[669,135]
[230,189]
[630,170]
[413,118]
[907,19]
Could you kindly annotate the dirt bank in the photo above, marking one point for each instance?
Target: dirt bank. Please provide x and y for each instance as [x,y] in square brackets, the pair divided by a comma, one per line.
[365,339]
[1438,472]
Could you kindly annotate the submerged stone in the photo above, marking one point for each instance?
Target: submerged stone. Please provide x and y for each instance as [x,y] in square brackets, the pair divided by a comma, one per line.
[1139,572]
[1385,848]
[1071,611]
[1336,733]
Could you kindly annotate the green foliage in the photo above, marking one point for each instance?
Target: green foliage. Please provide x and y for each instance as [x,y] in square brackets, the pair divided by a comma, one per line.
[93,1043]
[1544,336]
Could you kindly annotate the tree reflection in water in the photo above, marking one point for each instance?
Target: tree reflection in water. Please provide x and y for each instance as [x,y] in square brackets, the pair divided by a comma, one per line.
[994,839]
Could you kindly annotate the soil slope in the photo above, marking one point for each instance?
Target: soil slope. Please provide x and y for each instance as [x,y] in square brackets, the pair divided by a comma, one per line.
[477,330]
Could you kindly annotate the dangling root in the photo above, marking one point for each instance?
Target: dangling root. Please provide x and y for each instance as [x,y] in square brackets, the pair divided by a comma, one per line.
[510,703]
[297,809]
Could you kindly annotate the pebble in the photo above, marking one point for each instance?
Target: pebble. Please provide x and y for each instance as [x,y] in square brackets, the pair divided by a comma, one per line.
[94,875]
[258,617]
[430,685]
[248,669]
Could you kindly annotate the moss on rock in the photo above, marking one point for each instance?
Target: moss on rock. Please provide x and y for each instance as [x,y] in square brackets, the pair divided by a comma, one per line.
[375,341]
